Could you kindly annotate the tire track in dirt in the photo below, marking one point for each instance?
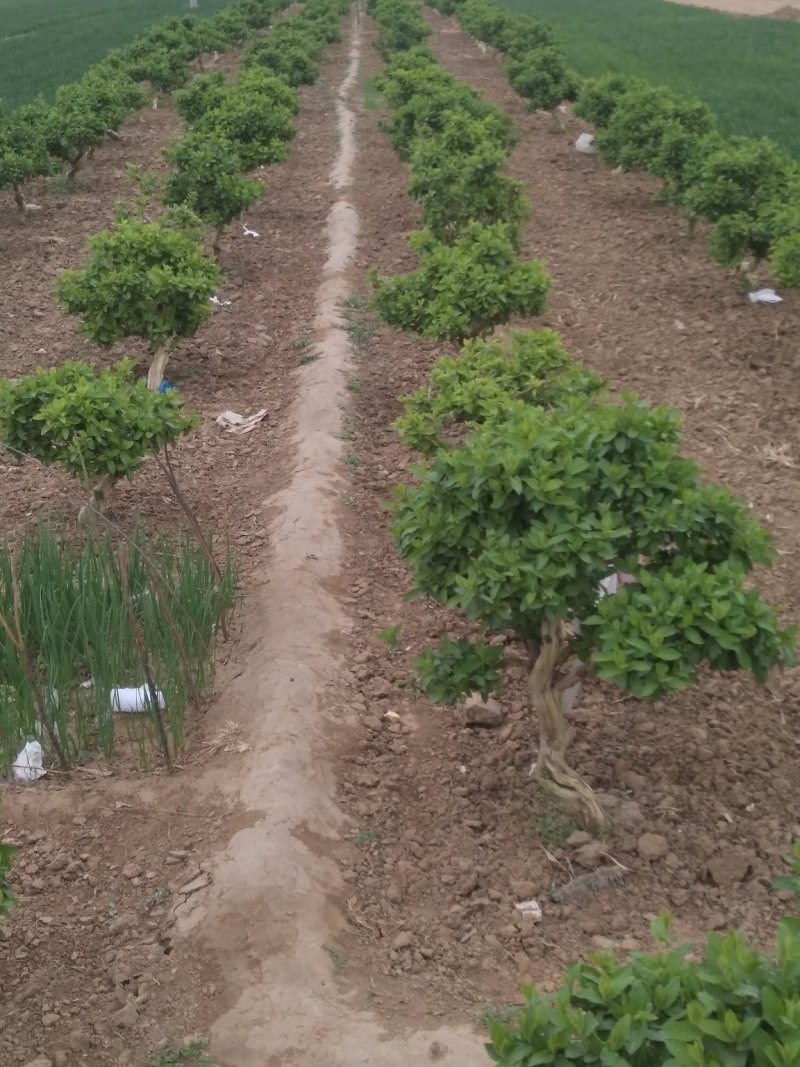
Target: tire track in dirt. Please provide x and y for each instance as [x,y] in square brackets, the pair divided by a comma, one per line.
[275,903]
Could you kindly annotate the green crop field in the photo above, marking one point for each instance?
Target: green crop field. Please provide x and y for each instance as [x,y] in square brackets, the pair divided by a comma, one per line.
[44,43]
[746,69]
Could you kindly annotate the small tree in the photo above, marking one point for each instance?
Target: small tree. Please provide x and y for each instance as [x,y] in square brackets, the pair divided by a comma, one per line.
[543,79]
[653,130]
[424,100]
[785,252]
[518,526]
[207,177]
[463,289]
[143,279]
[205,92]
[598,98]
[73,125]
[287,60]
[402,26]
[165,69]
[456,177]
[98,425]
[256,116]
[23,151]
[739,186]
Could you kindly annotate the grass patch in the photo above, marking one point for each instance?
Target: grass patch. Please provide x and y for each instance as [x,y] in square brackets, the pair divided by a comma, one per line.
[352,459]
[551,826]
[338,957]
[44,44]
[361,330]
[507,1014]
[191,1055]
[373,100]
[94,618]
[365,838]
[745,69]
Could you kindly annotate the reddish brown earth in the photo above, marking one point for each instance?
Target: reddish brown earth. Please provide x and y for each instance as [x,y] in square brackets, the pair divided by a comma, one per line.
[452,831]
[443,831]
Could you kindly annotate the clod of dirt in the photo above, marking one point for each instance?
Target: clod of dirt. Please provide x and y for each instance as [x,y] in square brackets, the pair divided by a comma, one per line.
[652,846]
[730,867]
[480,712]
[590,855]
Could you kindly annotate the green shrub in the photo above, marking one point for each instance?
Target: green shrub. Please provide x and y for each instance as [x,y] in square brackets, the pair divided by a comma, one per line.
[207,177]
[205,92]
[790,882]
[531,367]
[143,279]
[736,1007]
[72,125]
[521,34]
[655,131]
[485,22]
[542,78]
[463,289]
[518,525]
[92,423]
[454,669]
[23,150]
[164,69]
[255,115]
[739,186]
[785,256]
[288,61]
[598,98]
[457,187]
[401,26]
[424,99]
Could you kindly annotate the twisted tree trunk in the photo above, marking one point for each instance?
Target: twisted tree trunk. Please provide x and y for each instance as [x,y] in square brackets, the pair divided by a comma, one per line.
[155,374]
[555,736]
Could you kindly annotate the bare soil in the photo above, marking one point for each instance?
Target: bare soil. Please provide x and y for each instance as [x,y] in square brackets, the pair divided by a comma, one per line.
[452,833]
[789,11]
[319,878]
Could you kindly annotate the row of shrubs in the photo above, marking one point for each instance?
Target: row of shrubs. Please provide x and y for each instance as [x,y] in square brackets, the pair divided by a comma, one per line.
[147,277]
[39,138]
[537,484]
[457,146]
[747,188]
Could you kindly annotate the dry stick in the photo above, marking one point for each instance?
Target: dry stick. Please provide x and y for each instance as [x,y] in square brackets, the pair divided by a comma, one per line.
[18,642]
[193,694]
[139,639]
[167,468]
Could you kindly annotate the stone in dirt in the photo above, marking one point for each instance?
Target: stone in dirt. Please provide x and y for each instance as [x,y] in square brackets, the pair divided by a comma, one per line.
[480,712]
[652,847]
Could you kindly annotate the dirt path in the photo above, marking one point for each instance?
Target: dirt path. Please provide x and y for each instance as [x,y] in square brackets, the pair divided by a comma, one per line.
[747,7]
[274,912]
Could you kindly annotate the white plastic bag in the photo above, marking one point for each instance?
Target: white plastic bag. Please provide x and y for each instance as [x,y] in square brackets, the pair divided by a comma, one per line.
[585,144]
[28,766]
[765,296]
[134,700]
